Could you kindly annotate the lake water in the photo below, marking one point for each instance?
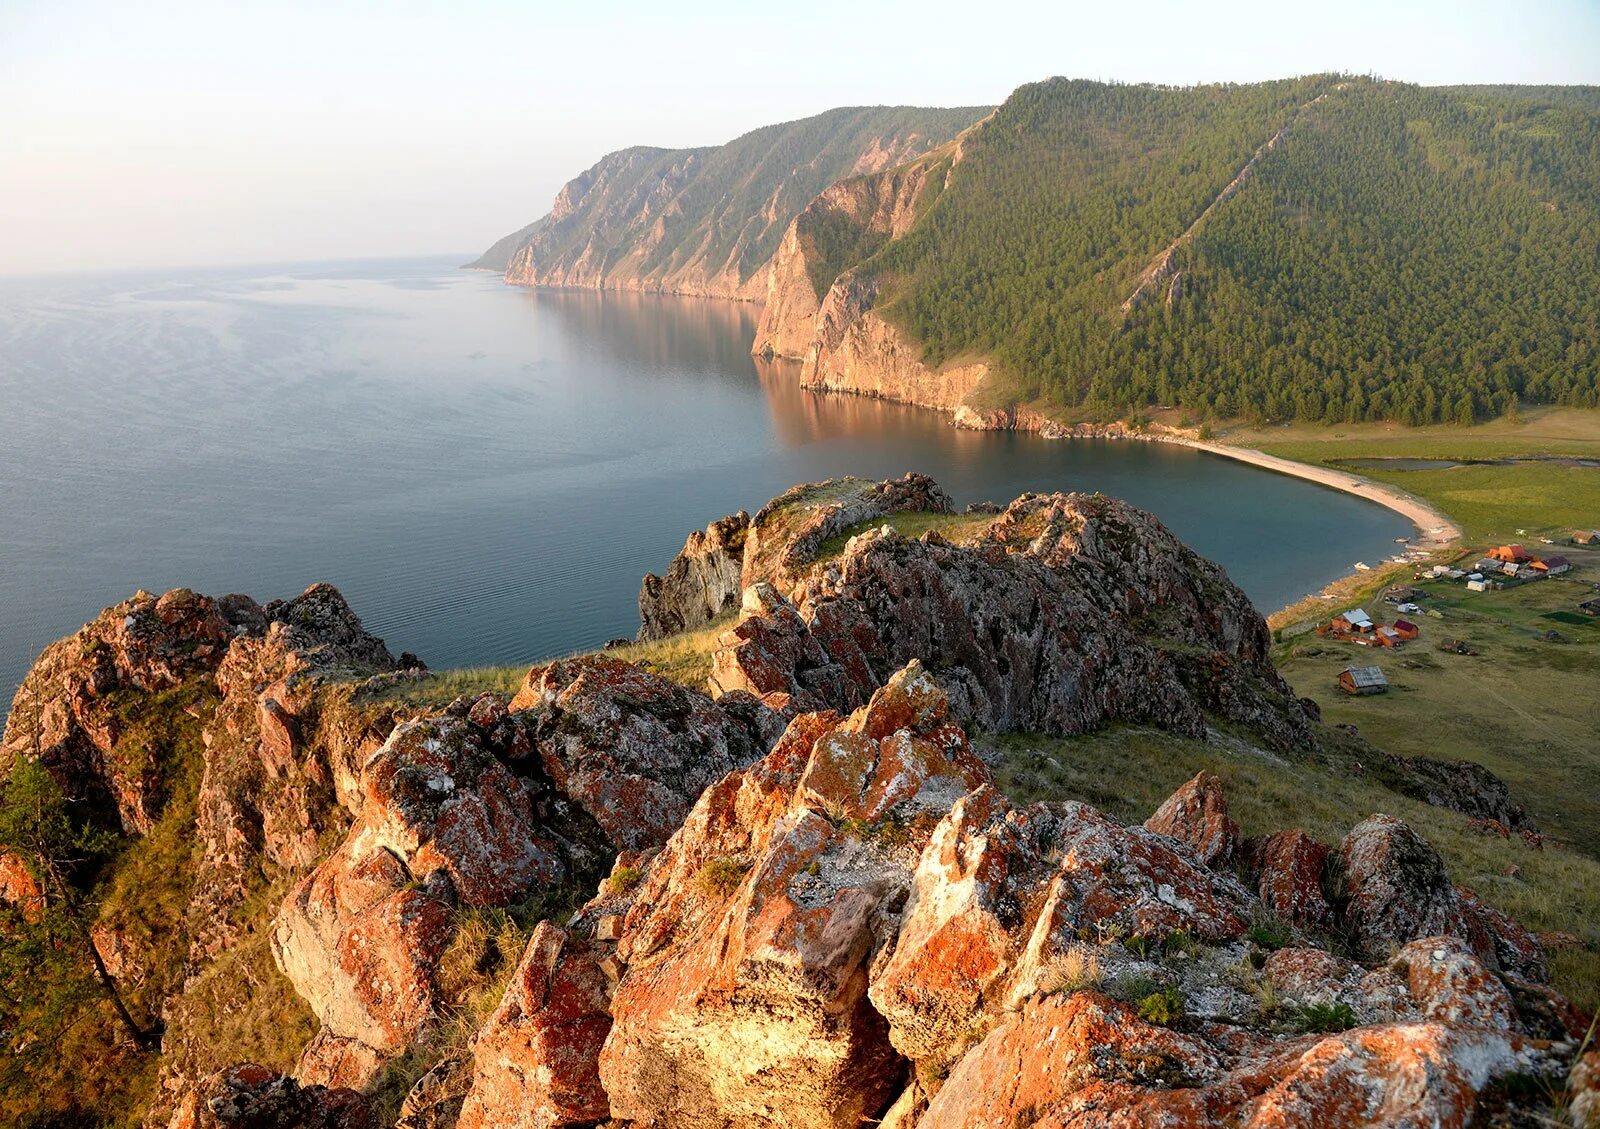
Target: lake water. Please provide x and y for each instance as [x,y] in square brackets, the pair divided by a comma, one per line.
[485,471]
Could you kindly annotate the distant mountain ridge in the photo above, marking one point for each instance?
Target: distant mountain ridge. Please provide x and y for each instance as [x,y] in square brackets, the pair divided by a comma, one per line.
[705,221]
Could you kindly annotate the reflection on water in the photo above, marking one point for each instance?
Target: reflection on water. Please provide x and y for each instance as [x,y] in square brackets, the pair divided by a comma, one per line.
[486,471]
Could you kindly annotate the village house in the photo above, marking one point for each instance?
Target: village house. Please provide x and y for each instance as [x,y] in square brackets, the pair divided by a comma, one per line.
[1386,636]
[1357,680]
[1586,537]
[1510,554]
[1353,622]
[1590,607]
[1401,594]
[1552,566]
[1405,629]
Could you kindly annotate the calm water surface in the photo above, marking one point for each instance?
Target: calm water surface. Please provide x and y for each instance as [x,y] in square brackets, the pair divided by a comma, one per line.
[485,471]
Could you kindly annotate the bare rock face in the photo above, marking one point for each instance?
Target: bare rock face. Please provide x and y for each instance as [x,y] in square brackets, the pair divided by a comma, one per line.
[273,774]
[700,584]
[65,714]
[537,1057]
[1002,899]
[633,748]
[747,947]
[20,892]
[1197,815]
[1059,617]
[252,1097]
[444,820]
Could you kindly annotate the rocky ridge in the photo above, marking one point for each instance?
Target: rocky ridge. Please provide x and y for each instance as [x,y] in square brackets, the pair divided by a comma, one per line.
[820,908]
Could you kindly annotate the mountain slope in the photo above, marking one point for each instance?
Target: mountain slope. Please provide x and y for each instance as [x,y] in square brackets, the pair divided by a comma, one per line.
[1324,248]
[704,221]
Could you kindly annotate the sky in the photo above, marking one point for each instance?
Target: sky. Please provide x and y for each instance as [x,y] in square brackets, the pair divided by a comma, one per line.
[163,134]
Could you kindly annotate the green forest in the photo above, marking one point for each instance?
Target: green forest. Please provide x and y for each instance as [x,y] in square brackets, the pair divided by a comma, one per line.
[1405,253]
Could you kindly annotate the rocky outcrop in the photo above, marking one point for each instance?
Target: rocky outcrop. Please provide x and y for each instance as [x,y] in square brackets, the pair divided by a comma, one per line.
[537,1057]
[252,1097]
[632,748]
[445,822]
[1289,868]
[1197,816]
[701,583]
[859,927]
[707,221]
[1063,613]
[747,948]
[73,707]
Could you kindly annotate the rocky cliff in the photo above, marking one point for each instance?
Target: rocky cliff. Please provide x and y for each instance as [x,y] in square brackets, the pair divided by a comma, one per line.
[819,309]
[802,898]
[707,221]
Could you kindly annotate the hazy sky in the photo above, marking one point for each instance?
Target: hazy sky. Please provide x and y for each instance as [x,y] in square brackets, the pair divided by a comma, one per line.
[139,132]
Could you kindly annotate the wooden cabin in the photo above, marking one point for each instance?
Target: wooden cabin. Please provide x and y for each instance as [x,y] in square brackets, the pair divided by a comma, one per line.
[1552,566]
[1358,680]
[1406,629]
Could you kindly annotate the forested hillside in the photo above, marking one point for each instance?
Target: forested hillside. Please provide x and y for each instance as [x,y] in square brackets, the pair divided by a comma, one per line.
[706,220]
[1325,248]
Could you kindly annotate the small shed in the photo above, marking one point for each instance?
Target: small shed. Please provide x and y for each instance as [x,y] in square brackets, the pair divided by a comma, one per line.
[1590,607]
[1356,680]
[1406,629]
[1388,636]
[1479,585]
[1401,594]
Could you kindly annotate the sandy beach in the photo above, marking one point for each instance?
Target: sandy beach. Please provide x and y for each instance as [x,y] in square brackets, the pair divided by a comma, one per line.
[1436,530]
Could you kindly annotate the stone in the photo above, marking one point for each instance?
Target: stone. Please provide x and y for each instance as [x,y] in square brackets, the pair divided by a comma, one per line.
[20,891]
[361,935]
[701,584]
[1450,984]
[1397,888]
[1197,816]
[1288,867]
[248,1096]
[339,1062]
[634,749]
[1034,623]
[748,943]
[434,1102]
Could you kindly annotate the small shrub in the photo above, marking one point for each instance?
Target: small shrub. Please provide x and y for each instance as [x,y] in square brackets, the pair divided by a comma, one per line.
[1180,941]
[1139,945]
[623,879]
[1162,1007]
[721,876]
[1268,932]
[1327,1017]
[1131,987]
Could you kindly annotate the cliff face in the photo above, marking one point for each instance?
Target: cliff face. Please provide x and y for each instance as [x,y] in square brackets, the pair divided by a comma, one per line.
[707,221]
[819,310]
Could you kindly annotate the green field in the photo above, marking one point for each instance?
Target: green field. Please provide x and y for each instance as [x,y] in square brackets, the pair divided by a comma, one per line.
[1488,501]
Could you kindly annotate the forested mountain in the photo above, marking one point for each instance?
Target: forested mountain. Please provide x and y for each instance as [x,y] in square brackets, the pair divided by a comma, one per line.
[704,221]
[1325,248]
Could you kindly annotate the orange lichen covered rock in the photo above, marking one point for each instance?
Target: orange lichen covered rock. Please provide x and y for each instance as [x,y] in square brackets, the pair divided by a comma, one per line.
[248,1096]
[748,944]
[536,1058]
[1448,983]
[1197,816]
[1288,867]
[1002,895]
[444,820]
[633,748]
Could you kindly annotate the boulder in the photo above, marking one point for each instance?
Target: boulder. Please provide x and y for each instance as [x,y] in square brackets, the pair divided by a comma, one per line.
[536,1059]
[1197,816]
[339,1062]
[252,1097]
[1449,984]
[1396,888]
[1288,868]
[746,950]
[1003,897]
[633,748]
[701,584]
